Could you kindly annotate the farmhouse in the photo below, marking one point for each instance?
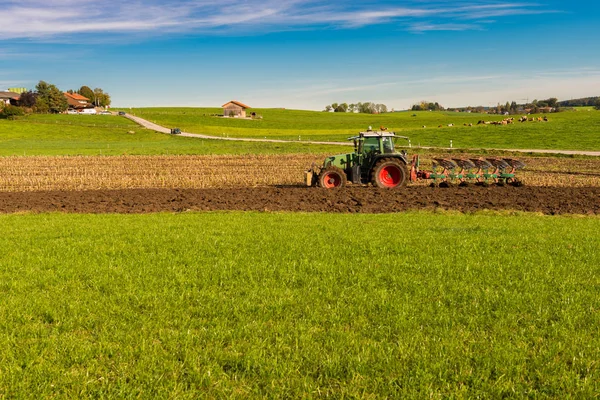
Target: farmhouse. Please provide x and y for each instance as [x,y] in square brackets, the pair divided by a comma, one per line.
[235,109]
[78,103]
[7,98]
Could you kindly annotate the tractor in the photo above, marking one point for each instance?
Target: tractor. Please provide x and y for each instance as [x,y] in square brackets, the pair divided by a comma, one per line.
[374,160]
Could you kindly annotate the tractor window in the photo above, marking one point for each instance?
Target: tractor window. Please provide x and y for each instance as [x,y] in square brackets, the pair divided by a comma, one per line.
[371,144]
[388,145]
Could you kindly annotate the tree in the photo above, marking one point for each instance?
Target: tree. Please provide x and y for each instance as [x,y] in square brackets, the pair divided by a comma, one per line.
[334,106]
[101,99]
[87,92]
[28,99]
[351,107]
[328,108]
[597,103]
[341,108]
[50,98]
[367,108]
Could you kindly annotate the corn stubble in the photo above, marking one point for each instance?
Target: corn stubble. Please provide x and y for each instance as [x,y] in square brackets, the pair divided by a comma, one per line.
[196,172]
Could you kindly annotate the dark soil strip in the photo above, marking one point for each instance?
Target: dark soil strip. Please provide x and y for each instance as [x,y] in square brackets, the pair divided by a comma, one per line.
[547,200]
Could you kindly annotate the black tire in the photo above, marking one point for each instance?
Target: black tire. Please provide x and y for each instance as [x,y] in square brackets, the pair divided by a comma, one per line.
[332,177]
[389,173]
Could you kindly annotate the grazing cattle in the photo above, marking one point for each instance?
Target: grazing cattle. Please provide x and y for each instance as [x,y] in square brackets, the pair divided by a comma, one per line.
[545,118]
[523,119]
[480,122]
[450,124]
[424,126]
[470,124]
[439,126]
[540,119]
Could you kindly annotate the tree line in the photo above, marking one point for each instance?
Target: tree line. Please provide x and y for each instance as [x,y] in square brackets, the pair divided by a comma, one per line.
[49,99]
[365,108]
[513,107]
[583,102]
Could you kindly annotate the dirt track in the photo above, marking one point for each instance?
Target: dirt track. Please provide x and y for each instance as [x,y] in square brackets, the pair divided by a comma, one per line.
[548,200]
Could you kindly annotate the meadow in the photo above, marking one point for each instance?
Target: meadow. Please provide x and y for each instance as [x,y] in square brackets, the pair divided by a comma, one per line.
[111,135]
[87,135]
[569,130]
[189,305]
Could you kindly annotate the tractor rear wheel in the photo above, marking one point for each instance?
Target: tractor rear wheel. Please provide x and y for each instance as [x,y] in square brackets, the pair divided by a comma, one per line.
[389,173]
[332,177]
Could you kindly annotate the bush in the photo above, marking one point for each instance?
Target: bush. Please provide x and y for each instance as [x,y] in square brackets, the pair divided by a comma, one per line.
[11,112]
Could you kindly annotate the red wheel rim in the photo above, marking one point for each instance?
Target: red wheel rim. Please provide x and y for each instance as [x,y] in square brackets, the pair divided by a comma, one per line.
[331,180]
[389,176]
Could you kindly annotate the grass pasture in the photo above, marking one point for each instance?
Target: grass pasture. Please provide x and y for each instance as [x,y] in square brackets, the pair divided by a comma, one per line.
[87,135]
[108,135]
[289,305]
[569,130]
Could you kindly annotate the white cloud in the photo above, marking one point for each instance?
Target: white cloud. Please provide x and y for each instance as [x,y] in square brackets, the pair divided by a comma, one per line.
[52,18]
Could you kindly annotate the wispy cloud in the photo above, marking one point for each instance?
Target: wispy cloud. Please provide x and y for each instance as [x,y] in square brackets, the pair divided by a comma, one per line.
[36,19]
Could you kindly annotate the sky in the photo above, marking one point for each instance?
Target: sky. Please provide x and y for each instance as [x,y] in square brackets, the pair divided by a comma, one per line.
[304,54]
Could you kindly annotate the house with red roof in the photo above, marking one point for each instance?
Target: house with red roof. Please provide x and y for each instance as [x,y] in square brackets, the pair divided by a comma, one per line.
[79,103]
[234,109]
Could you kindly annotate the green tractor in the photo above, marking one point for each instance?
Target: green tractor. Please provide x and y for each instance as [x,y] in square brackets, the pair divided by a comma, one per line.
[374,160]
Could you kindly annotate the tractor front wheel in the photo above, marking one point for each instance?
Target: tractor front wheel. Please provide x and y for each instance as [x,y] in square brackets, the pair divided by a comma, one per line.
[389,173]
[332,177]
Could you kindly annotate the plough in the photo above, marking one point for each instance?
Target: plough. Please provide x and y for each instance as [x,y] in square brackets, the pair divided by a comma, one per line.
[462,171]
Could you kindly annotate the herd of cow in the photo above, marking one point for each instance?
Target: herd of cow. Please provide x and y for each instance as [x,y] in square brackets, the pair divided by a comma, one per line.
[505,121]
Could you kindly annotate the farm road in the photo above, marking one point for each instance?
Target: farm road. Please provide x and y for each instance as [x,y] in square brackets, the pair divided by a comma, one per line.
[162,129]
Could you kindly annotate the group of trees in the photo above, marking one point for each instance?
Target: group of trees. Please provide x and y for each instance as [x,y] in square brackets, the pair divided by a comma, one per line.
[47,98]
[513,107]
[365,108]
[427,106]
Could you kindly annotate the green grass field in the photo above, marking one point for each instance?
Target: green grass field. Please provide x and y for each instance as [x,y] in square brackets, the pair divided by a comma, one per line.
[108,135]
[575,130]
[413,305]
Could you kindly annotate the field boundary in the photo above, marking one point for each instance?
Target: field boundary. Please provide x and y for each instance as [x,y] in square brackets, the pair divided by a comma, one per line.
[158,128]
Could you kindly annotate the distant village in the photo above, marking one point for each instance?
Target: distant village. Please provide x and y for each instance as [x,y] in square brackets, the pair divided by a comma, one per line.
[47,98]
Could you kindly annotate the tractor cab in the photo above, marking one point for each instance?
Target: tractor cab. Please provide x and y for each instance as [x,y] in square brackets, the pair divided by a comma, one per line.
[372,143]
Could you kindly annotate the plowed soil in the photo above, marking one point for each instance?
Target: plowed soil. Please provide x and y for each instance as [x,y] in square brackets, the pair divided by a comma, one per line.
[547,200]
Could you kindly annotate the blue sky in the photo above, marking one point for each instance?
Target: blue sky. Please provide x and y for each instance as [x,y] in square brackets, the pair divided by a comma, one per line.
[304,54]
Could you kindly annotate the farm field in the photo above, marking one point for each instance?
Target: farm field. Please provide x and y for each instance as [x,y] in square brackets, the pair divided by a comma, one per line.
[231,171]
[54,135]
[174,267]
[293,305]
[569,130]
